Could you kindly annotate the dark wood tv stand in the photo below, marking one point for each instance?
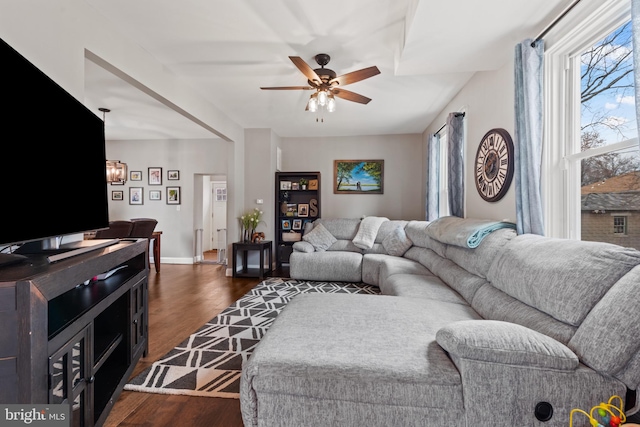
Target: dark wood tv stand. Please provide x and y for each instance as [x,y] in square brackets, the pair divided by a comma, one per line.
[67,338]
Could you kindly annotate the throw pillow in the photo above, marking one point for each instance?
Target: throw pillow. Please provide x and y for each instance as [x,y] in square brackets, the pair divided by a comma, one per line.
[320,238]
[397,243]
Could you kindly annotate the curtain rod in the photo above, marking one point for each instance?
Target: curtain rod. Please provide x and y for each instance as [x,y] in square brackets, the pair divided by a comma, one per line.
[444,125]
[554,22]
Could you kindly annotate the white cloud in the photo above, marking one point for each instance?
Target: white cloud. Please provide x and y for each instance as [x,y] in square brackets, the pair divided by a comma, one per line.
[628,100]
[614,121]
[610,106]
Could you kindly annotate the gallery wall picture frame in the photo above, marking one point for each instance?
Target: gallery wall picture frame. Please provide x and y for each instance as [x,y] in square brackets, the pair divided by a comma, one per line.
[155,176]
[358,177]
[303,209]
[155,195]
[173,195]
[136,195]
[173,175]
[135,175]
[117,195]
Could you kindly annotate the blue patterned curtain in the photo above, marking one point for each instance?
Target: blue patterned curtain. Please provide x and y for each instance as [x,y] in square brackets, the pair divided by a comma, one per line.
[455,143]
[528,136]
[635,26]
[433,178]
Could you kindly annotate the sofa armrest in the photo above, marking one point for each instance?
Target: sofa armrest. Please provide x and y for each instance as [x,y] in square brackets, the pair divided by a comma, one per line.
[303,247]
[505,343]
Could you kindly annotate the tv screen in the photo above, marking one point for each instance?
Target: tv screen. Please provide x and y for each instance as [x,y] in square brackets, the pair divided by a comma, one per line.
[53,157]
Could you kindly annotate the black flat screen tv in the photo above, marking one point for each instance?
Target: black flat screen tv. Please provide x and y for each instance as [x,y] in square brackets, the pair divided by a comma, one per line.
[53,168]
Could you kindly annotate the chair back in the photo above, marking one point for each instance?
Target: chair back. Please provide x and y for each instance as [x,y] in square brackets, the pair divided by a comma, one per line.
[117,229]
[143,227]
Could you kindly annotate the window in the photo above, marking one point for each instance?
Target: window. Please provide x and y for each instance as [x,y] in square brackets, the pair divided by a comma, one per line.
[592,159]
[620,225]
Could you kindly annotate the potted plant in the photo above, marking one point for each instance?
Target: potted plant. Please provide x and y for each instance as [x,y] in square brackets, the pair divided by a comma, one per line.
[303,183]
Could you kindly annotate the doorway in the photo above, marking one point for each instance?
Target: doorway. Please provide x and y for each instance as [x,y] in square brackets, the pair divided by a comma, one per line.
[211,229]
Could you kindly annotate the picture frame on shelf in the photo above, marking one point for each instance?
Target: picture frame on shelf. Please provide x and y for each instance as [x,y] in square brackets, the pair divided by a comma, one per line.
[292,209]
[303,209]
[117,195]
[155,176]
[286,224]
[285,185]
[136,196]
[155,195]
[135,176]
[358,177]
[295,186]
[173,175]
[313,184]
[296,224]
[173,195]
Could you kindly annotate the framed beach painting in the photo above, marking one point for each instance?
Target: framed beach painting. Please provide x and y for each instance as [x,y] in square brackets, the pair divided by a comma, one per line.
[358,176]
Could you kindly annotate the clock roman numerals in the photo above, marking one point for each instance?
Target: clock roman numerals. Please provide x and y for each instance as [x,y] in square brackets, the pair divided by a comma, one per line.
[494,165]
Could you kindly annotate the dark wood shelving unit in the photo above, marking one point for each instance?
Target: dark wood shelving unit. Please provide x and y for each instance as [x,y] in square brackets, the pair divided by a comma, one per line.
[69,338]
[287,198]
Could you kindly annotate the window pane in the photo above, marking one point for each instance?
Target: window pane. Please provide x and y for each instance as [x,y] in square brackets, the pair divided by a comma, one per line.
[610,199]
[607,91]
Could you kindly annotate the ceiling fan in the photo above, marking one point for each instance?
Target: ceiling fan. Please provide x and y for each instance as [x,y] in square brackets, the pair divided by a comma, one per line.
[326,84]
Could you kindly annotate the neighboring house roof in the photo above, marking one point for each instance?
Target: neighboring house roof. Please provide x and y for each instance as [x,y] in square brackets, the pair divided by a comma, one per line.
[627,182]
[622,201]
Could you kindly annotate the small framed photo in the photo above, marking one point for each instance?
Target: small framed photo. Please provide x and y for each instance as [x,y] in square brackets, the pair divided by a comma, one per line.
[313,184]
[173,195]
[297,224]
[117,195]
[135,175]
[295,186]
[155,176]
[136,196]
[285,185]
[155,195]
[292,209]
[303,209]
[173,175]
[286,224]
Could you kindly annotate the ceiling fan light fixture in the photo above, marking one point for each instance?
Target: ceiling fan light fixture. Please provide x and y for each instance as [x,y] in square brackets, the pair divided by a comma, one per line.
[322,98]
[313,103]
[331,104]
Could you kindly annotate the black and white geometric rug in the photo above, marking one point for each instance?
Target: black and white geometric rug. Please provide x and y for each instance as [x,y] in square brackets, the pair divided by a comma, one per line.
[209,362]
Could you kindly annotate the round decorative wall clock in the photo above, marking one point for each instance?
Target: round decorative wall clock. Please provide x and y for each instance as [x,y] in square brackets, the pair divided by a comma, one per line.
[494,165]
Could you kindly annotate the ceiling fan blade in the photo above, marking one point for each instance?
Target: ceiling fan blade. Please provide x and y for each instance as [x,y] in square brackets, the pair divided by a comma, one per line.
[287,88]
[306,69]
[356,76]
[350,96]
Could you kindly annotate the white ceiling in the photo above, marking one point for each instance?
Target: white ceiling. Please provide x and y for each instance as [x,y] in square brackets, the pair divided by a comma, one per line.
[426,51]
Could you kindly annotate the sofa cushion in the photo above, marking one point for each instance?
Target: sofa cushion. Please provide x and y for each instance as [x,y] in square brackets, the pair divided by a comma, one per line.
[478,260]
[417,232]
[505,343]
[376,267]
[562,277]
[326,266]
[607,339]
[340,228]
[320,238]
[420,286]
[331,347]
[494,304]
[397,243]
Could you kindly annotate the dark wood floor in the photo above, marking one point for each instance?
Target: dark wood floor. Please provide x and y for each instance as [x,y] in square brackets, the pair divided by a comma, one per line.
[181,299]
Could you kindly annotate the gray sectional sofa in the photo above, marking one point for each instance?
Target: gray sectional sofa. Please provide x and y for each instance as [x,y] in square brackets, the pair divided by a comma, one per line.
[512,331]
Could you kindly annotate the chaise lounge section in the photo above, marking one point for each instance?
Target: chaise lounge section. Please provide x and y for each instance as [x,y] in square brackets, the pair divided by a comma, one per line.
[516,331]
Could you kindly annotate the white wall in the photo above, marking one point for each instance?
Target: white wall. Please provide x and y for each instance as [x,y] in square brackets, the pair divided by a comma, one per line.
[177,222]
[403,183]
[488,100]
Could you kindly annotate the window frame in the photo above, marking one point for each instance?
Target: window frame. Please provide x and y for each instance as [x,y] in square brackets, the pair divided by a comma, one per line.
[562,112]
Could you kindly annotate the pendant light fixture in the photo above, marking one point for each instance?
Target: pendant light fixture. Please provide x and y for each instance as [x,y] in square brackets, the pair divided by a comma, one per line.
[116,170]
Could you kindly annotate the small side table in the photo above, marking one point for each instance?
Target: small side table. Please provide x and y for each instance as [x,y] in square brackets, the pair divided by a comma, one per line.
[244,248]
